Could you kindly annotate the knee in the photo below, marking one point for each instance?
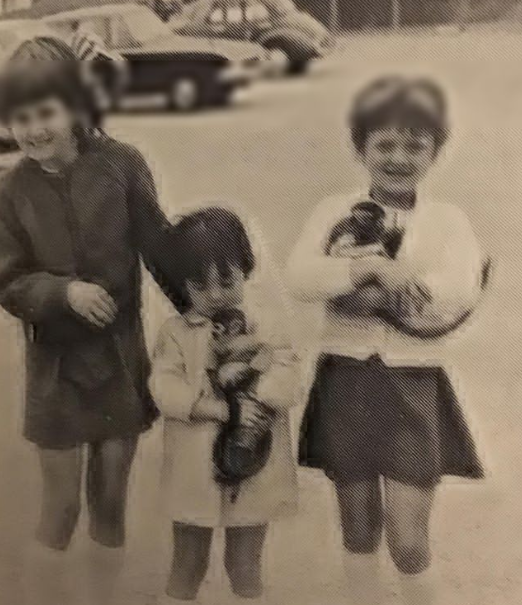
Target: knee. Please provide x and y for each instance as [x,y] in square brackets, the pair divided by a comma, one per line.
[361,540]
[58,522]
[107,521]
[108,534]
[245,578]
[410,558]
[187,574]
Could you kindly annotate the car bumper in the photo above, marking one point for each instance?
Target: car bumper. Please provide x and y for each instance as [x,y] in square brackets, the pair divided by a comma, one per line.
[241,74]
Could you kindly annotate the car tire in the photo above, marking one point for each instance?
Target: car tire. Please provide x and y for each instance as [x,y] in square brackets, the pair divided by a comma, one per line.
[185,94]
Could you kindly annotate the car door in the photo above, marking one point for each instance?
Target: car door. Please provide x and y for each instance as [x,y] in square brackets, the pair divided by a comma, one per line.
[148,70]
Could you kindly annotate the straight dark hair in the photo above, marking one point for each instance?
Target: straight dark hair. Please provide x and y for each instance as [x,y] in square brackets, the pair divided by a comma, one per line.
[42,68]
[202,239]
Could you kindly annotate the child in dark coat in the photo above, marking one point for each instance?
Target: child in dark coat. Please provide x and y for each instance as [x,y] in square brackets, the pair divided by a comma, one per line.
[77,213]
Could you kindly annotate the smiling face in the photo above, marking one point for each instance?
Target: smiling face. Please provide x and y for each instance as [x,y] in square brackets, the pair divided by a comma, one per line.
[43,129]
[217,293]
[398,158]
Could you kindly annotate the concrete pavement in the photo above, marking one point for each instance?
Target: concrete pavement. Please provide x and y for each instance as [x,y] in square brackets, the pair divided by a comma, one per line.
[277,152]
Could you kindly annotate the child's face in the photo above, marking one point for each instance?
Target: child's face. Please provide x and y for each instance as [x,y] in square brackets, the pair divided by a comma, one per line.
[398,159]
[43,129]
[217,293]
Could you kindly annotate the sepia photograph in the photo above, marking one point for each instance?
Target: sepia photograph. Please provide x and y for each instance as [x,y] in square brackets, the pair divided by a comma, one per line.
[260,302]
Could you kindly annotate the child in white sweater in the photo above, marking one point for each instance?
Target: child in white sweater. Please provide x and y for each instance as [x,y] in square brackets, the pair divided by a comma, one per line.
[383,419]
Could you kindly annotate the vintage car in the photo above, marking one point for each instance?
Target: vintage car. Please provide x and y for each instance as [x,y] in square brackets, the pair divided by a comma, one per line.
[290,37]
[190,71]
[12,34]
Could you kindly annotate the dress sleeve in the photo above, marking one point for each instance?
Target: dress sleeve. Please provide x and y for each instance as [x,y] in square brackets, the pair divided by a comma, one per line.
[311,274]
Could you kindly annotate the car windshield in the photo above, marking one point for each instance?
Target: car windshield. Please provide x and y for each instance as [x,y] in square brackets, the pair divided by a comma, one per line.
[144,26]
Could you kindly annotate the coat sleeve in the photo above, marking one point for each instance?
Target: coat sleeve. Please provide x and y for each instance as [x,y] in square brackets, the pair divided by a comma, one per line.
[311,274]
[174,395]
[32,296]
[277,387]
[272,320]
[150,226]
[172,392]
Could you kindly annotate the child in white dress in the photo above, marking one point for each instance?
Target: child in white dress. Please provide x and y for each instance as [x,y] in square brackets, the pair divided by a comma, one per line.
[218,270]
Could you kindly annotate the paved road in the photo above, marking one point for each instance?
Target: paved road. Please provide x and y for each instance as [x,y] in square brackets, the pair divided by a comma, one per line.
[277,152]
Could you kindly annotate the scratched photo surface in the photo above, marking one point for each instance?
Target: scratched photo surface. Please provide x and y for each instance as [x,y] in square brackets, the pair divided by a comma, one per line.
[246,105]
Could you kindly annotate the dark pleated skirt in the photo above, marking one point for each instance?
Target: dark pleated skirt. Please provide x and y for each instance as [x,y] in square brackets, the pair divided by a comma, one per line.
[365,419]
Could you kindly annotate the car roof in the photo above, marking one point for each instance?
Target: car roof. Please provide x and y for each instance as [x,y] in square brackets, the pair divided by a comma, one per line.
[96,11]
[15,23]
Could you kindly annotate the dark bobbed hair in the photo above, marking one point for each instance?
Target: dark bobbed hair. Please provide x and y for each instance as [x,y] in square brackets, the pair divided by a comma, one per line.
[201,239]
[416,104]
[46,67]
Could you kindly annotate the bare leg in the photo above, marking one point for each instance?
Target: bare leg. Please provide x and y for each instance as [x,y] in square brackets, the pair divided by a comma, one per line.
[360,507]
[62,476]
[107,485]
[243,559]
[48,568]
[408,513]
[190,560]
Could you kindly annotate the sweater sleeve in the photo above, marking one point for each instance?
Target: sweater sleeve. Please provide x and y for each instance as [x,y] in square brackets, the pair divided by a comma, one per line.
[311,274]
[451,277]
[32,296]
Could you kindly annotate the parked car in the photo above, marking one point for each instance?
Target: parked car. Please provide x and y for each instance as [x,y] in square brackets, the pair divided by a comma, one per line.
[287,34]
[12,34]
[189,71]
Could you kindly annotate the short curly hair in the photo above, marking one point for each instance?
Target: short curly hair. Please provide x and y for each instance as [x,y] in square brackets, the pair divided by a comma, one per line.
[409,103]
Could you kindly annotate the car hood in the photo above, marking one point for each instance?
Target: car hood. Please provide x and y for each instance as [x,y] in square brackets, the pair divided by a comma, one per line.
[230,49]
[303,22]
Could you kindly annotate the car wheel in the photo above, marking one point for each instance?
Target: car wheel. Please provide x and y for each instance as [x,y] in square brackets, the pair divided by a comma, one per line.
[185,94]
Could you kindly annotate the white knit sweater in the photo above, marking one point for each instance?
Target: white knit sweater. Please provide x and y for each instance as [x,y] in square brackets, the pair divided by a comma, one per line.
[439,243]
